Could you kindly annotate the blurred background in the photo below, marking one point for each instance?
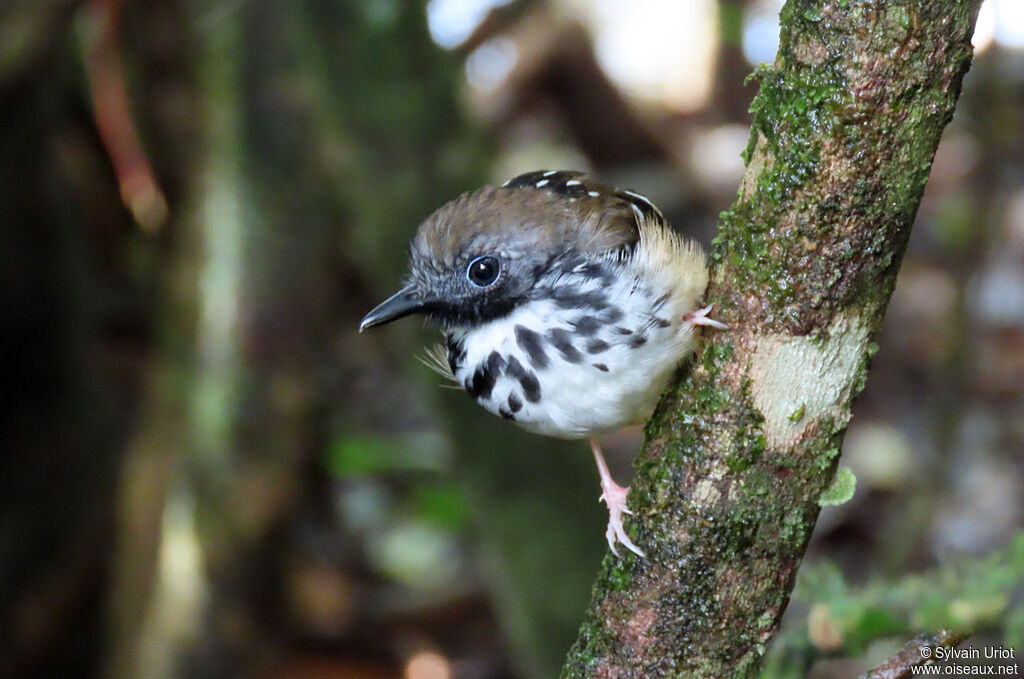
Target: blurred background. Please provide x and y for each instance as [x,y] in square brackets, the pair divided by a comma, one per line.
[207,472]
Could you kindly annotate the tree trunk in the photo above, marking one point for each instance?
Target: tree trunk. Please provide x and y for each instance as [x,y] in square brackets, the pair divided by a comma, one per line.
[738,454]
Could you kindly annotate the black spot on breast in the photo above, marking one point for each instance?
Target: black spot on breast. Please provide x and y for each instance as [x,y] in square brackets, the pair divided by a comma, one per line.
[612,314]
[495,363]
[561,339]
[480,385]
[531,387]
[507,414]
[623,331]
[530,342]
[596,346]
[587,325]
[567,298]
[662,322]
[660,302]
[527,380]
[514,403]
[602,367]
[456,353]
[597,270]
[637,341]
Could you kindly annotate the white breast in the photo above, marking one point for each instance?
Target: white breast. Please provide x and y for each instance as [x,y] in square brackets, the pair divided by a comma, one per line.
[598,368]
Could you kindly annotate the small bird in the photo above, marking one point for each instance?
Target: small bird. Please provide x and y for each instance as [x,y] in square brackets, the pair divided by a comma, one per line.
[566,305]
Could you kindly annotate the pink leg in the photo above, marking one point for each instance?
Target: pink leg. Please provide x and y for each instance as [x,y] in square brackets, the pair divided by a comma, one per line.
[700,317]
[614,496]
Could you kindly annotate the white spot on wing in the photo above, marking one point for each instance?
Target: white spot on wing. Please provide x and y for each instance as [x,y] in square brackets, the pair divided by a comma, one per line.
[541,183]
[573,182]
[636,195]
[593,194]
[550,172]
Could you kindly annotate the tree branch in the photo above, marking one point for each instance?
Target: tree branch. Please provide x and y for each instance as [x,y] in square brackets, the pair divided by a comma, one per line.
[899,665]
[727,484]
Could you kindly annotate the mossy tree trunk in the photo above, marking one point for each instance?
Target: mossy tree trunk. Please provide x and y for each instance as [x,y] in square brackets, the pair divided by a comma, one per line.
[735,460]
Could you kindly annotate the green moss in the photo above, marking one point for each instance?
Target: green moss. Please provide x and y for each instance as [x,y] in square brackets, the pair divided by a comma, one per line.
[716,355]
[826,458]
[792,114]
[594,640]
[747,450]
[619,577]
[685,437]
[757,484]
[793,527]
[710,398]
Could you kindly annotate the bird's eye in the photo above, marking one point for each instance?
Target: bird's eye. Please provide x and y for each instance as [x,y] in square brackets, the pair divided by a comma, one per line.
[483,271]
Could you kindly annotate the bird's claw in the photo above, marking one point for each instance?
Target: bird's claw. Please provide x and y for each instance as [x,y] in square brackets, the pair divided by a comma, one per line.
[615,497]
[624,509]
[700,317]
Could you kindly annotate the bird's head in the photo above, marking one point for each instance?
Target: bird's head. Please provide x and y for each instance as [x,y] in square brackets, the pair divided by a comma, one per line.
[480,256]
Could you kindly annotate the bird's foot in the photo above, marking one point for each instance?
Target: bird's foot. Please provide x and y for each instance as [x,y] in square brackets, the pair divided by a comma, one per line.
[614,496]
[700,317]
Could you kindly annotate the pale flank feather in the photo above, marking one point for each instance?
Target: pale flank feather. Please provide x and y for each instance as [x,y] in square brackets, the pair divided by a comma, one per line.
[678,262]
[435,357]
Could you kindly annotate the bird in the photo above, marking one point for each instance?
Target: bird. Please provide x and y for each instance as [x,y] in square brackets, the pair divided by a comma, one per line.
[565,304]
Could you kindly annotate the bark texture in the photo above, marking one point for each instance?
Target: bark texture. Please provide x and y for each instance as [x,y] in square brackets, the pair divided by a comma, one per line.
[738,454]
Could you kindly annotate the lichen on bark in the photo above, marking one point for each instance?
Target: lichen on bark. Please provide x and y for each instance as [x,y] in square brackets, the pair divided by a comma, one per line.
[738,453]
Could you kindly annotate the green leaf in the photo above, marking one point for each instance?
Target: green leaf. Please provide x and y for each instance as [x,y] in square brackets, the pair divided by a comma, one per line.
[841,489]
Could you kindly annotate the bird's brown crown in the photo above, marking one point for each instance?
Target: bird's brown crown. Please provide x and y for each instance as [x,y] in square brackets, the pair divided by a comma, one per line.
[533,214]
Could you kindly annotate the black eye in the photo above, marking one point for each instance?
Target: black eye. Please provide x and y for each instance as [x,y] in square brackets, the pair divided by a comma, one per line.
[483,271]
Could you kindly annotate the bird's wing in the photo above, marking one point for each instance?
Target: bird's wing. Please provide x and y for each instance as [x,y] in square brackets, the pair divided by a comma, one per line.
[612,216]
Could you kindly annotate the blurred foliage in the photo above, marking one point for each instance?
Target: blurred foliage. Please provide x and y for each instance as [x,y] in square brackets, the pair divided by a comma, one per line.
[980,596]
[362,456]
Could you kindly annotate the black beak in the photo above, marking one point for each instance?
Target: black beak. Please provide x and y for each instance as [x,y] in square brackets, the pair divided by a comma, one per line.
[398,305]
